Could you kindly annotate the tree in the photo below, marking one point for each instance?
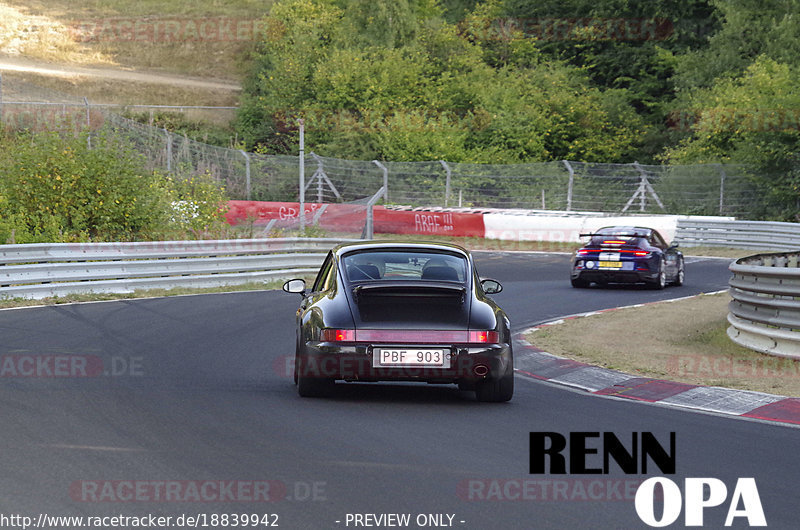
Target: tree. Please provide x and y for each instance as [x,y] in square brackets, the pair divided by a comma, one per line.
[751,119]
[433,90]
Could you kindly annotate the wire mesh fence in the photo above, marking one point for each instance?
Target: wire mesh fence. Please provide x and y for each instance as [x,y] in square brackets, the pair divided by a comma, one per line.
[702,189]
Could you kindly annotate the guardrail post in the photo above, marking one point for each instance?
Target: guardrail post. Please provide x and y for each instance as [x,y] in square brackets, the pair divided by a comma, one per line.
[570,185]
[721,189]
[246,172]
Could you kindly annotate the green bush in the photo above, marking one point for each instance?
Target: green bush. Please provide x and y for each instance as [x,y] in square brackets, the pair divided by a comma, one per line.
[54,187]
[198,203]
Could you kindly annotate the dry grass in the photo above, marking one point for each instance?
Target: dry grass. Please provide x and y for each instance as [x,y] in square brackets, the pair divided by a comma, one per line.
[70,9]
[43,37]
[683,341]
[98,90]
[720,252]
[207,38]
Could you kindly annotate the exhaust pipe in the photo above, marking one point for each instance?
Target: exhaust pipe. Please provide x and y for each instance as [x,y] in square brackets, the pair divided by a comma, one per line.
[480,370]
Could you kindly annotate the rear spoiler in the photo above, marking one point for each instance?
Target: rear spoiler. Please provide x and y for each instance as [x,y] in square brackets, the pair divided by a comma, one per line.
[411,289]
[612,235]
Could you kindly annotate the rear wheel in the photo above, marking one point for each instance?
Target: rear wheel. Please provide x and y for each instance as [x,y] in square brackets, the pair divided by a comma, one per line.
[661,280]
[679,277]
[496,390]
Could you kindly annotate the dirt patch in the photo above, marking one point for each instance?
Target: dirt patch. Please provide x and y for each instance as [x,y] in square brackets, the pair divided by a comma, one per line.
[684,341]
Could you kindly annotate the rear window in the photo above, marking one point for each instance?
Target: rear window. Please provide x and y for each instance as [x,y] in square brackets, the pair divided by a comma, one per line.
[404,265]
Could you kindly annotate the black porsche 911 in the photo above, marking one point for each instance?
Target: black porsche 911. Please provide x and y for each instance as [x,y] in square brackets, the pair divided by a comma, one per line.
[388,311]
[627,254]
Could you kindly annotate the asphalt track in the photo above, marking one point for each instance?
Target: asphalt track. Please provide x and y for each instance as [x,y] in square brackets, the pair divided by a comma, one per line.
[195,390]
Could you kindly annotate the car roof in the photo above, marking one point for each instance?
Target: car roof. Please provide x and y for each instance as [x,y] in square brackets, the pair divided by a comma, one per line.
[344,248]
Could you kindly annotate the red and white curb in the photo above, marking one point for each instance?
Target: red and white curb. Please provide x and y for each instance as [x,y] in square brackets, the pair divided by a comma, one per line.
[534,363]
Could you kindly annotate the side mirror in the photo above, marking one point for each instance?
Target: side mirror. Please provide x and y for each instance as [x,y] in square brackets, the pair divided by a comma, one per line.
[491,286]
[295,286]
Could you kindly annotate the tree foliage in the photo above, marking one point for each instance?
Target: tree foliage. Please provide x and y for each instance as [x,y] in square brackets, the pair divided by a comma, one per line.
[534,80]
[738,99]
[394,80]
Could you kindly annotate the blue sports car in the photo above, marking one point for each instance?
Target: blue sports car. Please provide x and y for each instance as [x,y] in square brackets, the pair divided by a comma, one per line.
[627,254]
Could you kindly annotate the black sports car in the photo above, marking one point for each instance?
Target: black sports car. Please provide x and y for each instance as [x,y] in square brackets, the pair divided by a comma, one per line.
[388,311]
[627,254]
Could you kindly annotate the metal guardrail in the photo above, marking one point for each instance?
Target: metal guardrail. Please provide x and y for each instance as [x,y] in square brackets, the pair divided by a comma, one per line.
[764,314]
[57,269]
[738,234]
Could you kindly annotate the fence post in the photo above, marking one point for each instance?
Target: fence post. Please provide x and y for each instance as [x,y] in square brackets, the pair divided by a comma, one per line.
[721,189]
[385,180]
[246,172]
[88,123]
[320,171]
[302,212]
[446,182]
[88,113]
[169,150]
[369,231]
[570,185]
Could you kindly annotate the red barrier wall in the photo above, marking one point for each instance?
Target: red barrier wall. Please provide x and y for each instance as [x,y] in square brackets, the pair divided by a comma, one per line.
[351,218]
[429,223]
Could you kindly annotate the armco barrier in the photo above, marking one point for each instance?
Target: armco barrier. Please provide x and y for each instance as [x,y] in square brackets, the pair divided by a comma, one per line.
[764,235]
[57,269]
[764,314]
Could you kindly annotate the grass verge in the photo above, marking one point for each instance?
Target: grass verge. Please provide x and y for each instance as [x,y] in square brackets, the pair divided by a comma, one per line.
[684,341]
[6,303]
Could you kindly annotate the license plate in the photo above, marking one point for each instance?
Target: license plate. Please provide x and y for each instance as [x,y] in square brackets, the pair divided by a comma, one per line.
[609,264]
[412,357]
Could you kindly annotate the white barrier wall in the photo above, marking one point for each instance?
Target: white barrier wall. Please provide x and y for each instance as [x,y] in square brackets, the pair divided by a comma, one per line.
[567,229]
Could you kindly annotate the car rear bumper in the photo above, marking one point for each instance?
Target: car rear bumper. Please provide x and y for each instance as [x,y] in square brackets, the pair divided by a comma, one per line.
[601,276]
[356,363]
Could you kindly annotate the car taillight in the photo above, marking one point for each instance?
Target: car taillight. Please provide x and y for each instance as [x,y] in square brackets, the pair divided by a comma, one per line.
[405,336]
[613,242]
[338,335]
[483,337]
[640,253]
[585,251]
